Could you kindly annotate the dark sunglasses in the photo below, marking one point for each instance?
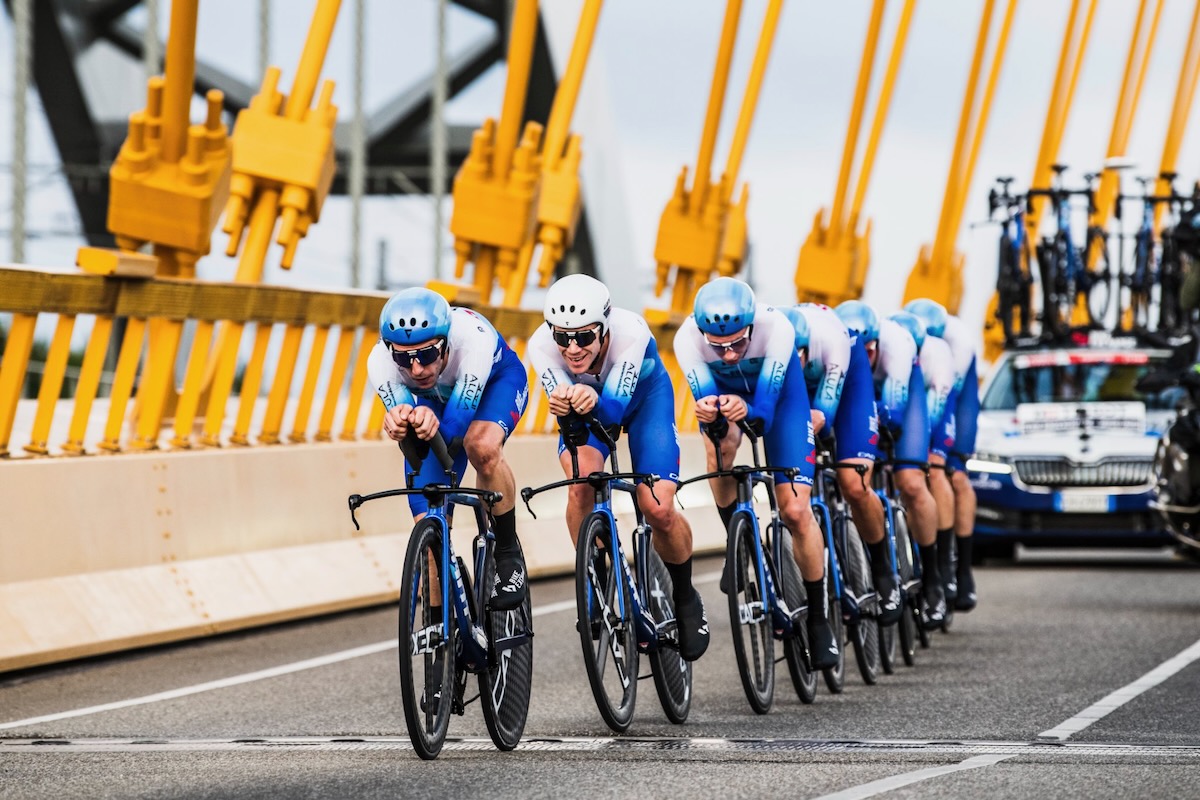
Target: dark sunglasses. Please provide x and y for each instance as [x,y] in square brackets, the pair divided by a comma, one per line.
[582,338]
[737,345]
[425,356]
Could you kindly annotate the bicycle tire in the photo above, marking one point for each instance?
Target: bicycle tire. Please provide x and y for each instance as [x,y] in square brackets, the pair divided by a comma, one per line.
[419,645]
[672,674]
[1066,285]
[888,647]
[1007,288]
[864,631]
[796,647]
[616,643]
[750,621]
[1096,286]
[949,619]
[835,676]
[504,687]
[910,595]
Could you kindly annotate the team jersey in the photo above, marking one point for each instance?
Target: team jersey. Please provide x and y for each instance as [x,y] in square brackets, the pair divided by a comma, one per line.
[632,356]
[893,370]
[828,357]
[758,375]
[962,348]
[938,369]
[473,348]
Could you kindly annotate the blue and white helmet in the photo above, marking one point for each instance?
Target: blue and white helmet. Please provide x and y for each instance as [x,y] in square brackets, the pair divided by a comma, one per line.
[413,316]
[911,323]
[799,322]
[932,313]
[859,318]
[724,306]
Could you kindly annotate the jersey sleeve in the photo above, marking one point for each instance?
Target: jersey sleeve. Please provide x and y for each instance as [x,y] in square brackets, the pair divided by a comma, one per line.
[691,361]
[546,361]
[779,352]
[829,391]
[623,377]
[385,378]
[897,363]
[473,372]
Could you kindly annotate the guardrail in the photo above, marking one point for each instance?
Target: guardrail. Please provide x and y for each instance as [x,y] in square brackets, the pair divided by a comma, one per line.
[156,310]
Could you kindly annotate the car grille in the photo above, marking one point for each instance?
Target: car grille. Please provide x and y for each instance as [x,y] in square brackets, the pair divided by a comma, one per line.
[1061,472]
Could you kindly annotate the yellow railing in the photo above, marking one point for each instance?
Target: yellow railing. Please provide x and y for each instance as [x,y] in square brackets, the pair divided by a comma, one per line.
[147,410]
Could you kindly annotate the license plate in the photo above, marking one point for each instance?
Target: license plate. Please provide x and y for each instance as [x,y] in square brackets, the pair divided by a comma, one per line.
[1083,503]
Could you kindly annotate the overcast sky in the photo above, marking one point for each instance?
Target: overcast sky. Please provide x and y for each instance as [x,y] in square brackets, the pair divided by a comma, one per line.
[650,75]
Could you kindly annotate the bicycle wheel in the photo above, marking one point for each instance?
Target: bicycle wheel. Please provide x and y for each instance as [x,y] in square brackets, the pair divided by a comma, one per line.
[427,660]
[835,676]
[1007,287]
[795,647]
[505,685]
[949,620]
[888,647]
[608,636]
[910,589]
[672,675]
[864,631]
[1096,282]
[750,620]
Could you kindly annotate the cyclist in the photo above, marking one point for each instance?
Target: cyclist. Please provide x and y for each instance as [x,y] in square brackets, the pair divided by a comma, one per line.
[892,345]
[593,358]
[739,361]
[441,368]
[956,498]
[837,372]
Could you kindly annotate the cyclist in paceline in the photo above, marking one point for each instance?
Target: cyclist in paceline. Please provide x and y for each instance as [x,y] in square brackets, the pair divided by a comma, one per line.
[442,368]
[962,418]
[592,358]
[892,345]
[740,362]
[937,366]
[837,371]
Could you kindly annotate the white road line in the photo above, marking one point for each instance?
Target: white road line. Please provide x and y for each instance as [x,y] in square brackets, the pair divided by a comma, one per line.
[896,781]
[1105,706]
[250,677]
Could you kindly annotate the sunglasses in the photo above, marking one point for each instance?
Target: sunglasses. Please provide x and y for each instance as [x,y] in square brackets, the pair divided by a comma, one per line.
[425,356]
[738,345]
[582,338]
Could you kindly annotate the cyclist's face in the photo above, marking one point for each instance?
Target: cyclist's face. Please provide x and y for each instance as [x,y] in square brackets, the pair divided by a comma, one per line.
[416,361]
[873,352]
[582,346]
[731,347]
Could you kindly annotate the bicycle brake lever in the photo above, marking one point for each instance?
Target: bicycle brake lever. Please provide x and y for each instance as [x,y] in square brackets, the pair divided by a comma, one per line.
[355,502]
[526,494]
[650,481]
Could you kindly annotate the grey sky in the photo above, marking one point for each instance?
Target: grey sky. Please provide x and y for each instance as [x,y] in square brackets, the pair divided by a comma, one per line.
[655,60]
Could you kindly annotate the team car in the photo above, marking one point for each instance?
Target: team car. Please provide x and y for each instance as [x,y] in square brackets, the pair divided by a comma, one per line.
[1066,445]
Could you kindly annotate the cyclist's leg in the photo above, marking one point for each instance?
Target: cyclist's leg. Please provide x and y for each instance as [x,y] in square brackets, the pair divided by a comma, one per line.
[912,448]
[967,415]
[581,497]
[941,442]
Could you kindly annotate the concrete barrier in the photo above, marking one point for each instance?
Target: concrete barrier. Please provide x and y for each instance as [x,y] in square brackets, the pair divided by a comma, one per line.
[105,553]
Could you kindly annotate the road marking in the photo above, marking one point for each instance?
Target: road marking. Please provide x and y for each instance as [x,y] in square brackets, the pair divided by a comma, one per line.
[250,677]
[1105,706]
[896,781]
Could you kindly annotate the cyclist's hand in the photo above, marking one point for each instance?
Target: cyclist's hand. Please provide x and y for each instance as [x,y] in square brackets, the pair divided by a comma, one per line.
[396,421]
[560,406]
[733,407]
[424,422]
[818,420]
[706,409]
[582,397]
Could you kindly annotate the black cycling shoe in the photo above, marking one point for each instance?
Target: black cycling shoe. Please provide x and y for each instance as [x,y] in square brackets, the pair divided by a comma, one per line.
[692,624]
[950,587]
[966,599]
[508,592]
[432,695]
[822,644]
[890,606]
[725,579]
[933,606]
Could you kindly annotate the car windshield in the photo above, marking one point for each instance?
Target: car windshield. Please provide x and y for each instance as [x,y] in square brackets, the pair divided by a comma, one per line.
[1076,377]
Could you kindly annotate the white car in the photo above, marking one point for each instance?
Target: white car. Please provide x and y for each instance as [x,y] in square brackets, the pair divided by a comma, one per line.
[1065,446]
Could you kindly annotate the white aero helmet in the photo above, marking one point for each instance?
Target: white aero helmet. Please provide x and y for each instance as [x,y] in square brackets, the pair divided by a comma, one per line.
[577,301]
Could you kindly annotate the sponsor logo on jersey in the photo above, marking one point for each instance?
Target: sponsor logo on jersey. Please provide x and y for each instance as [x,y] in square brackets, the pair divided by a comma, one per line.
[628,380]
[472,388]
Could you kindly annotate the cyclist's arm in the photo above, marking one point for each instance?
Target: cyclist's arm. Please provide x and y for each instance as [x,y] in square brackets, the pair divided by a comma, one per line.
[385,378]
[623,377]
[474,369]
[547,362]
[691,361]
[780,351]
[896,364]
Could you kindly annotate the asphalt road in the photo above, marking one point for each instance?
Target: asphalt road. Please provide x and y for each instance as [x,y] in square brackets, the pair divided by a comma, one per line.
[312,710]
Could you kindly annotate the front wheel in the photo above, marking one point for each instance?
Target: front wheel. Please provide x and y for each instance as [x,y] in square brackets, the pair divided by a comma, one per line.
[672,674]
[606,625]
[426,643]
[835,676]
[796,647]
[864,632]
[505,684]
[749,617]
[910,589]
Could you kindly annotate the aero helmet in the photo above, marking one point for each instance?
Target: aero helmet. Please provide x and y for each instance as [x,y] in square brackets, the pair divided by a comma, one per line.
[860,318]
[724,306]
[577,301]
[799,322]
[911,323]
[932,313]
[414,315]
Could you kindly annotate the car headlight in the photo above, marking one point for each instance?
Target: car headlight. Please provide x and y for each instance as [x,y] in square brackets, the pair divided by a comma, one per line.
[989,462]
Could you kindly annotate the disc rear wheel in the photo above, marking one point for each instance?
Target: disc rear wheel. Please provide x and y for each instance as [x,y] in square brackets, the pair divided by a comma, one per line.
[505,685]
[672,674]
